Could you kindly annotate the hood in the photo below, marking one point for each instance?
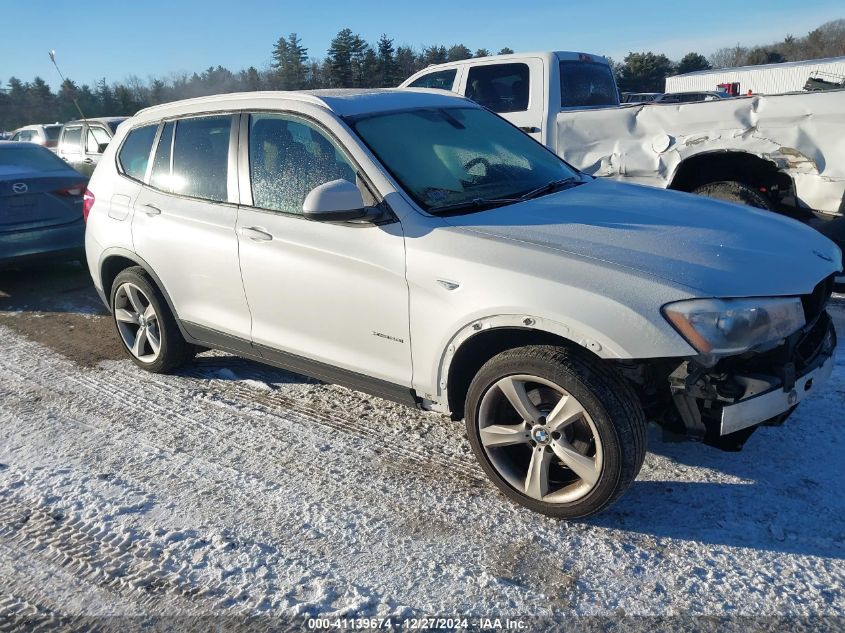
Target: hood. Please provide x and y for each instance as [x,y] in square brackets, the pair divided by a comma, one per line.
[715,248]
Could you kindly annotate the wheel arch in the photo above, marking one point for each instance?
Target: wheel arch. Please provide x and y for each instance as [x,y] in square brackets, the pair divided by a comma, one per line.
[482,339]
[115,260]
[719,165]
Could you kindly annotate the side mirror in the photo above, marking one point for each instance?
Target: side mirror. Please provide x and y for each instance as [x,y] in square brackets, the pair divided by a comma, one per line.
[335,201]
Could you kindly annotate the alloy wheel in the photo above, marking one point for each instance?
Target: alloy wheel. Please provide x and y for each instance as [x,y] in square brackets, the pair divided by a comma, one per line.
[137,322]
[540,439]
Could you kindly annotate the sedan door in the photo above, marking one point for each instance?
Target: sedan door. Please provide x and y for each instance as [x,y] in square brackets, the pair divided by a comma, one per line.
[321,295]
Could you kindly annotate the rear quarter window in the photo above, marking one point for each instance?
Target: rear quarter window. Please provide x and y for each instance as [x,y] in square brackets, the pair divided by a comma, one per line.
[584,83]
[134,154]
[442,80]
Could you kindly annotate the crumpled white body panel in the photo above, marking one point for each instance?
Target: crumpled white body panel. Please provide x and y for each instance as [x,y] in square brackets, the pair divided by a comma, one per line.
[802,133]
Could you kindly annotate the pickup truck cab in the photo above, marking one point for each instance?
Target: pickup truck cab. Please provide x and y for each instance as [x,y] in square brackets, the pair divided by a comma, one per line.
[777,152]
[527,89]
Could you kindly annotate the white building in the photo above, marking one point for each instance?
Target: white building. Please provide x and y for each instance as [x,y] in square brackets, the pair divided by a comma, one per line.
[763,79]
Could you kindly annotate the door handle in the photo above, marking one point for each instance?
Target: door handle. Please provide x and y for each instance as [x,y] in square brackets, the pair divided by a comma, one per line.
[256,234]
[530,129]
[151,209]
[88,160]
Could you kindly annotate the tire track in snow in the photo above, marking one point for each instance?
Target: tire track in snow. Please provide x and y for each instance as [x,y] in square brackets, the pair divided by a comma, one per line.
[108,415]
[161,395]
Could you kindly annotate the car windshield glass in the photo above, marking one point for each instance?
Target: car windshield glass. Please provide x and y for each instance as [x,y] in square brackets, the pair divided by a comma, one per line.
[445,157]
[587,84]
[52,132]
[35,158]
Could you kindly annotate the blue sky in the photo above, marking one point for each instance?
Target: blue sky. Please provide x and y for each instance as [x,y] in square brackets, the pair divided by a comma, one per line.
[116,39]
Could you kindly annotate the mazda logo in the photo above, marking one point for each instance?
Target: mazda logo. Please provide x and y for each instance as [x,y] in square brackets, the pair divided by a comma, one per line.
[20,187]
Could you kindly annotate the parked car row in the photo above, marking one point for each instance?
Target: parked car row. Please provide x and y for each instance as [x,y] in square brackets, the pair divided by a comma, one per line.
[46,135]
[80,143]
[673,97]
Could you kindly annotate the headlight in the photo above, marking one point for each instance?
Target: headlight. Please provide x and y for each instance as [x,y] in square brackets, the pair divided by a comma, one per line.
[721,327]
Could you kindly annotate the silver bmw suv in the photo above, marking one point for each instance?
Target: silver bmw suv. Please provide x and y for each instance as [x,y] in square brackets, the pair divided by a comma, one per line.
[414,245]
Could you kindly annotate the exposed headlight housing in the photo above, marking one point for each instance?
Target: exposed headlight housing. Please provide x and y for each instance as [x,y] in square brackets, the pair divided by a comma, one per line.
[723,327]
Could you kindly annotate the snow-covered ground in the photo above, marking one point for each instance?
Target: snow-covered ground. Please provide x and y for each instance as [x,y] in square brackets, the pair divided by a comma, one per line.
[233,488]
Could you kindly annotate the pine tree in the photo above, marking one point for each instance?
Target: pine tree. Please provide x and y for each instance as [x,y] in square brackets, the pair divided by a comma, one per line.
[387,69]
[457,52]
[340,59]
[407,62]
[434,55]
[289,57]
[370,77]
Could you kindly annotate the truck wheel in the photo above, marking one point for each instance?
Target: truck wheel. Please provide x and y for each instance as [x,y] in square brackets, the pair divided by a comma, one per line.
[556,431]
[145,324]
[732,191]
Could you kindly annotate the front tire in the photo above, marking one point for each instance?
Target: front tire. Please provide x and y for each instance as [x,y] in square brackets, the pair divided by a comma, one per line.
[556,430]
[145,324]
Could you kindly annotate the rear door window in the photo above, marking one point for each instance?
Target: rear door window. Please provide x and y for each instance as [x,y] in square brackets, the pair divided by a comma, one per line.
[201,157]
[72,140]
[134,155]
[584,83]
[442,80]
[499,87]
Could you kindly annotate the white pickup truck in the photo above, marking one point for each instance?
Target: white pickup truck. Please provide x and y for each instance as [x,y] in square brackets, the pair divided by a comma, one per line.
[780,152]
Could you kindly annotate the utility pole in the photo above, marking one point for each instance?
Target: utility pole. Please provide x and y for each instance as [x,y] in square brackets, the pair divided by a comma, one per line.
[52,55]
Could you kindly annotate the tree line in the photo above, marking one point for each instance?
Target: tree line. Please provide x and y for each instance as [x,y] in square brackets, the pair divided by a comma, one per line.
[647,72]
[352,62]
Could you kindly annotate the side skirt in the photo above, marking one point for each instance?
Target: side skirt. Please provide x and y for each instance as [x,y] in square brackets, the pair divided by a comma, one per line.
[206,337]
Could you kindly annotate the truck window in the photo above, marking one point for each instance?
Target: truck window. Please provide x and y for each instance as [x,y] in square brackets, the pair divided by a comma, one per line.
[587,84]
[442,80]
[499,87]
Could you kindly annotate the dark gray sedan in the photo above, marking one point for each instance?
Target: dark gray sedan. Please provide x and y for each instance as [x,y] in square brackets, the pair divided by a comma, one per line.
[41,202]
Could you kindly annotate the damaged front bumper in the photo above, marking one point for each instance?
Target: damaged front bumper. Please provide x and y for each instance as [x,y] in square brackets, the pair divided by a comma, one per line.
[723,404]
[756,406]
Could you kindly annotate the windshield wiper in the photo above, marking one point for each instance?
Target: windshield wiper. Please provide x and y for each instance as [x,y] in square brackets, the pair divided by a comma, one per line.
[549,187]
[477,204]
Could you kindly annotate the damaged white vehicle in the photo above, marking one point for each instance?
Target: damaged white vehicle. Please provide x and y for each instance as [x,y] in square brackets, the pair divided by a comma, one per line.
[779,152]
[416,246]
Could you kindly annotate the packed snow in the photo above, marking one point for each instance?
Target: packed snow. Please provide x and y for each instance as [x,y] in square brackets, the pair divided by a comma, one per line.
[236,489]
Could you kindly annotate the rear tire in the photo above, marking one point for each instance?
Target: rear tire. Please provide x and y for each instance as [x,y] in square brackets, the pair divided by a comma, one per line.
[573,417]
[737,192]
[145,324]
